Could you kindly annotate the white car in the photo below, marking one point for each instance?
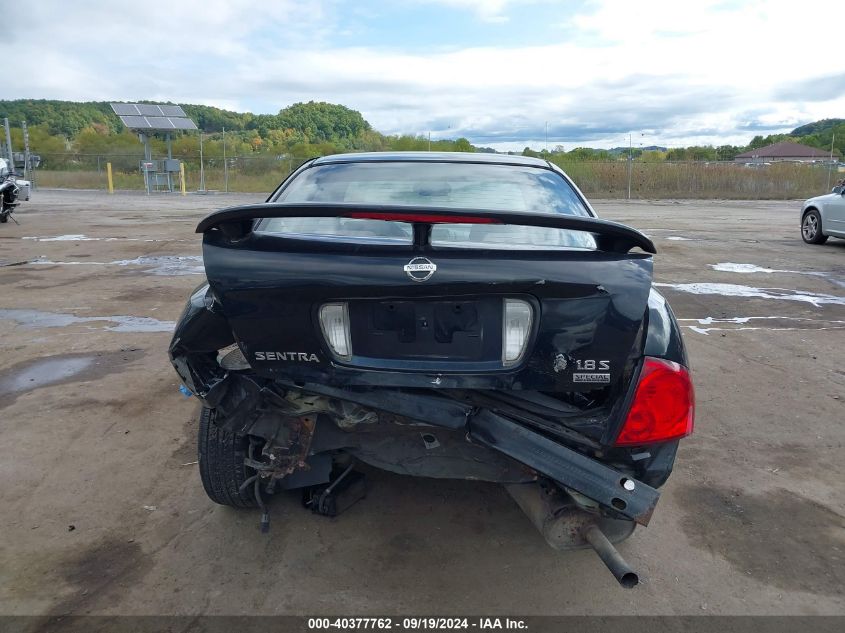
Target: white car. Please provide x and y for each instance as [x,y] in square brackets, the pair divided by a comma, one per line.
[824,216]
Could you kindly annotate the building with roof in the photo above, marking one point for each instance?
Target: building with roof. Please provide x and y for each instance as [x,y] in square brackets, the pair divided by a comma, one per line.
[786,151]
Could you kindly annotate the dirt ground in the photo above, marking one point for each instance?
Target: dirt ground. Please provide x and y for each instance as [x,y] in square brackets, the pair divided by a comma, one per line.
[103,511]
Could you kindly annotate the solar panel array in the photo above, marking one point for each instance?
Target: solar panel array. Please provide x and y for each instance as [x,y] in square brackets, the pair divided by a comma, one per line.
[155,118]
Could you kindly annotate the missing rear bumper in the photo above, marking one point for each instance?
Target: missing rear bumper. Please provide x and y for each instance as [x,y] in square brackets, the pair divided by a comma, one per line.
[616,491]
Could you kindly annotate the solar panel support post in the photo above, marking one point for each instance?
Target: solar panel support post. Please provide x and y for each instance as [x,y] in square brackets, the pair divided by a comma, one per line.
[148,159]
[169,157]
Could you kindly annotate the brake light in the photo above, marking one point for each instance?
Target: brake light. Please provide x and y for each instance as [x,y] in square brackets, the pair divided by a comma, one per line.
[423,218]
[664,405]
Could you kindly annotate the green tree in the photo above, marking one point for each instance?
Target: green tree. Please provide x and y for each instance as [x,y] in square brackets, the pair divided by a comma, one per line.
[320,121]
[463,145]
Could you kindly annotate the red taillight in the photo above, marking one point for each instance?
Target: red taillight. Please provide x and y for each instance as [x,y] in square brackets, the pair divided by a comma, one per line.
[663,407]
[425,218]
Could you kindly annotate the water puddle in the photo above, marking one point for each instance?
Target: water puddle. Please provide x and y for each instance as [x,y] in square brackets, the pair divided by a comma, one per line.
[778,324]
[167,265]
[121,323]
[730,267]
[737,290]
[43,372]
[159,265]
[776,538]
[53,370]
[76,237]
[63,238]
[678,238]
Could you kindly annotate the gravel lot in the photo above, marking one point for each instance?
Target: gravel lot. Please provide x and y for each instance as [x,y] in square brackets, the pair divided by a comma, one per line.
[103,511]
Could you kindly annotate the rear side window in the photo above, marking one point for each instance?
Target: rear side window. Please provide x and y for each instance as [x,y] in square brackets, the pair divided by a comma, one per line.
[420,184]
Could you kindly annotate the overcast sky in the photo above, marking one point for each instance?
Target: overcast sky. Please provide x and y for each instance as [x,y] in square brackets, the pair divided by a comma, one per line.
[499,72]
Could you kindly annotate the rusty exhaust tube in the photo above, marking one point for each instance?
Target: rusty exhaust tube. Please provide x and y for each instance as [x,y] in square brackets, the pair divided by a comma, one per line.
[566,526]
[611,557]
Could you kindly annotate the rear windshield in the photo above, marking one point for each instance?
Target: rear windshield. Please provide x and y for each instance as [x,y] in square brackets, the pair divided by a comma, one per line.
[452,185]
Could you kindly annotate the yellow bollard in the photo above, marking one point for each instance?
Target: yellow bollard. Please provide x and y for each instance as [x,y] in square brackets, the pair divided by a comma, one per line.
[182,176]
[108,173]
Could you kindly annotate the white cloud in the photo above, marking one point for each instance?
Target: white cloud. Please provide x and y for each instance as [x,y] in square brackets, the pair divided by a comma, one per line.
[680,72]
[487,10]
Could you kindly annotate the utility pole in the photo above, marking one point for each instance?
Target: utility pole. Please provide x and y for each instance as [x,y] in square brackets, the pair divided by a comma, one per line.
[429,141]
[202,168]
[830,167]
[9,145]
[630,161]
[26,170]
[225,164]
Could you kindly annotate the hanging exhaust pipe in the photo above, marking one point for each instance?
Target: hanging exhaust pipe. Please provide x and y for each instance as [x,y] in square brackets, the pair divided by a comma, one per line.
[611,557]
[567,522]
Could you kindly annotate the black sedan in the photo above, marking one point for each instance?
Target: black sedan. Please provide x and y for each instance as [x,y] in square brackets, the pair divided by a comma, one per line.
[437,315]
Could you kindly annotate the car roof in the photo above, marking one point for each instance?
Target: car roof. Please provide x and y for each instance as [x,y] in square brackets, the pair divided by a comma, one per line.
[432,157]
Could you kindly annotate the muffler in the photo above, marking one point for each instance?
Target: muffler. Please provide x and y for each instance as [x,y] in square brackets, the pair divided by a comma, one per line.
[568,523]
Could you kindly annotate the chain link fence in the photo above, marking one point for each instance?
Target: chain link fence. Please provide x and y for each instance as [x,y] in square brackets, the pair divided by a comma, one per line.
[610,179]
[246,174]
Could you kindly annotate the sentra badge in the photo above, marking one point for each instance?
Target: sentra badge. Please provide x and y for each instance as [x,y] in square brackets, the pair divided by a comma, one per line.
[302,357]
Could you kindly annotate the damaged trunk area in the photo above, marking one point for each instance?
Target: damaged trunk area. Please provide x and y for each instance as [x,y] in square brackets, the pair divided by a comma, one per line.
[410,340]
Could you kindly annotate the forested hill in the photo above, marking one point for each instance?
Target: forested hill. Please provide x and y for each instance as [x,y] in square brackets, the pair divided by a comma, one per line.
[818,127]
[317,128]
[302,129]
[320,121]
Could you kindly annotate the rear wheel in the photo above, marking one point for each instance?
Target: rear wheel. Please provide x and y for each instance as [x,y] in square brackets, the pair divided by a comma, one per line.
[811,228]
[221,461]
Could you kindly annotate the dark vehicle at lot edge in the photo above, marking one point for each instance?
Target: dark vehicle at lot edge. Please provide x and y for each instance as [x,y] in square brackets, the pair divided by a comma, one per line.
[440,315]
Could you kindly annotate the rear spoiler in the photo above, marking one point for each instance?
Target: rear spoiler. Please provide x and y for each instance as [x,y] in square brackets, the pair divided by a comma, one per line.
[237,222]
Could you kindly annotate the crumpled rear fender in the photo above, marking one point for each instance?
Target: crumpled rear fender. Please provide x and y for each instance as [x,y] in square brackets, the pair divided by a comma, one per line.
[200,332]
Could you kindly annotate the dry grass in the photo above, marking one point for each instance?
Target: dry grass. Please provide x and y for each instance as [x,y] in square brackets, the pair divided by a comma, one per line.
[214,180]
[601,180]
[699,180]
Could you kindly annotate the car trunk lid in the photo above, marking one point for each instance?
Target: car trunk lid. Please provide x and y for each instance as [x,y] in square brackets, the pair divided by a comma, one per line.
[446,330]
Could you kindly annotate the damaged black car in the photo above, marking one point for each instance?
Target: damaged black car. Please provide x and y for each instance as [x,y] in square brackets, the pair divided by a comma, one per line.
[437,315]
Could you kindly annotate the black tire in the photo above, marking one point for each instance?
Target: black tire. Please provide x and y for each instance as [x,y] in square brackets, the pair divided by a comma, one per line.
[811,228]
[4,217]
[221,462]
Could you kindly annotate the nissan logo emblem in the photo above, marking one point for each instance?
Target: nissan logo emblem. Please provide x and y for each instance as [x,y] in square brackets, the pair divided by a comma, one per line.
[420,269]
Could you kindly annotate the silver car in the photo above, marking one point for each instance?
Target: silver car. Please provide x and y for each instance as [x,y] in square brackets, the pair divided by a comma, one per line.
[824,216]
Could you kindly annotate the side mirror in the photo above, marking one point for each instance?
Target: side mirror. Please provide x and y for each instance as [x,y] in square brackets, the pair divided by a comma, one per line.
[837,189]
